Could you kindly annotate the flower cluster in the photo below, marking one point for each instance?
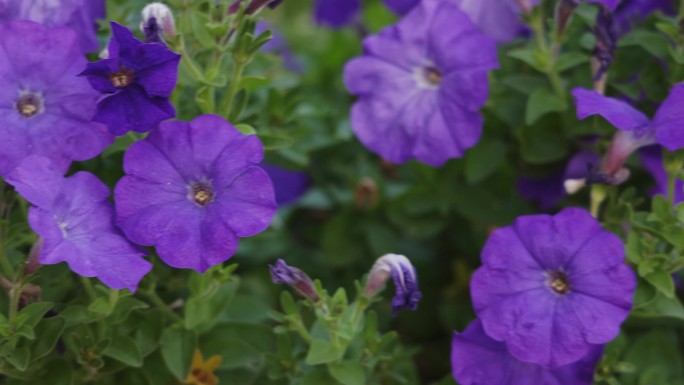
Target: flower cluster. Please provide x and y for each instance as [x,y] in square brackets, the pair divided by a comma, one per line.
[191,189]
[551,291]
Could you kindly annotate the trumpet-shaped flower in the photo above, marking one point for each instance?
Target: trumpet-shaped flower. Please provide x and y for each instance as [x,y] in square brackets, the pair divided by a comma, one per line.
[45,109]
[192,189]
[420,85]
[135,81]
[553,287]
[75,219]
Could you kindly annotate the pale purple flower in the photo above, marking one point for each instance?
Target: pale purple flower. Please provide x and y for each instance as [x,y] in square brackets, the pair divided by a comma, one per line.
[44,108]
[636,130]
[553,287]
[477,359]
[192,190]
[136,81]
[407,295]
[79,15]
[420,84]
[337,13]
[282,273]
[75,219]
[157,23]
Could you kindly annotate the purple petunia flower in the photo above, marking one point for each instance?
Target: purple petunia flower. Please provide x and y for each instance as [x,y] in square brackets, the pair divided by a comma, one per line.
[289,185]
[652,159]
[337,13]
[136,82]
[636,130]
[420,84]
[44,108]
[192,189]
[631,11]
[75,219]
[79,15]
[405,279]
[553,287]
[476,359]
[282,273]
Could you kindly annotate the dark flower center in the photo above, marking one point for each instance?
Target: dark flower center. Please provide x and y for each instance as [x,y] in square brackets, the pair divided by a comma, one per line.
[202,193]
[432,75]
[122,78]
[29,105]
[558,281]
[202,376]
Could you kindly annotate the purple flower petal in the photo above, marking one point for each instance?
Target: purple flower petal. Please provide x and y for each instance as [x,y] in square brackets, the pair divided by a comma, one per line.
[337,13]
[477,359]
[618,113]
[669,120]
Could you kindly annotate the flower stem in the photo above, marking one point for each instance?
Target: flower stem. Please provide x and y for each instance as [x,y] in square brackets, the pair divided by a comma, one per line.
[598,195]
[227,105]
[673,162]
[159,303]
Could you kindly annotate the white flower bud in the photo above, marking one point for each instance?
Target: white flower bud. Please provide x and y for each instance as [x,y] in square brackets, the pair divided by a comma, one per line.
[157,23]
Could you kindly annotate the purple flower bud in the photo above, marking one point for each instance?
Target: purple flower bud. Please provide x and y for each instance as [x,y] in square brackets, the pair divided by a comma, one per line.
[292,276]
[606,42]
[405,279]
[157,23]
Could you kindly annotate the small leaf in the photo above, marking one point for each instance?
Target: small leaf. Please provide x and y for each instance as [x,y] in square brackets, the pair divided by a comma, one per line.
[321,352]
[124,349]
[541,102]
[483,160]
[48,333]
[662,281]
[178,347]
[19,357]
[348,373]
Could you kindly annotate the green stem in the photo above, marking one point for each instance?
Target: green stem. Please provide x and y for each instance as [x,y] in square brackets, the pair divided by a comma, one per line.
[598,195]
[301,330]
[89,289]
[14,298]
[550,52]
[233,88]
[673,162]
[161,305]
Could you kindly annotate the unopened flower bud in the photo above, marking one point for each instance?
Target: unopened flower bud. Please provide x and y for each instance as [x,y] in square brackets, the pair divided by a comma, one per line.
[32,263]
[405,279]
[157,23]
[606,43]
[297,279]
[572,186]
[564,11]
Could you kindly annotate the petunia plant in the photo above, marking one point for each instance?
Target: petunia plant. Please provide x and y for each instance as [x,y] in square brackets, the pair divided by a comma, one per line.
[342,192]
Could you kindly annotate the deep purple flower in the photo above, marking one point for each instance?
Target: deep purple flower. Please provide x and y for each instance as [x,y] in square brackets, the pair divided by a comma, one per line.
[289,185]
[636,130]
[476,359]
[281,273]
[79,15]
[652,159]
[553,287]
[44,108]
[420,84]
[75,219]
[337,13]
[192,189]
[407,294]
[550,190]
[136,82]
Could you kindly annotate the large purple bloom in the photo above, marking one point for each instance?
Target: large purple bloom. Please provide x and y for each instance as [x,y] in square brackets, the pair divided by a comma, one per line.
[192,190]
[420,84]
[476,359]
[136,82]
[75,219]
[337,13]
[44,108]
[79,15]
[553,287]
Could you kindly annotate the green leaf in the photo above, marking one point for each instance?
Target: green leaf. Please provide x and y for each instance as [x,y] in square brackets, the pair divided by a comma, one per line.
[569,60]
[55,372]
[124,307]
[660,306]
[178,347]
[251,83]
[348,373]
[124,349]
[318,376]
[542,102]
[662,281]
[656,359]
[19,357]
[652,42]
[542,143]
[121,144]
[483,160]
[246,129]
[34,312]
[322,352]
[203,311]
[529,56]
[48,333]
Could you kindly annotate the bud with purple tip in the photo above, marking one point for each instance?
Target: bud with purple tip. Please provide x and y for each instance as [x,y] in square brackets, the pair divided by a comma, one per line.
[282,273]
[405,279]
[157,23]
